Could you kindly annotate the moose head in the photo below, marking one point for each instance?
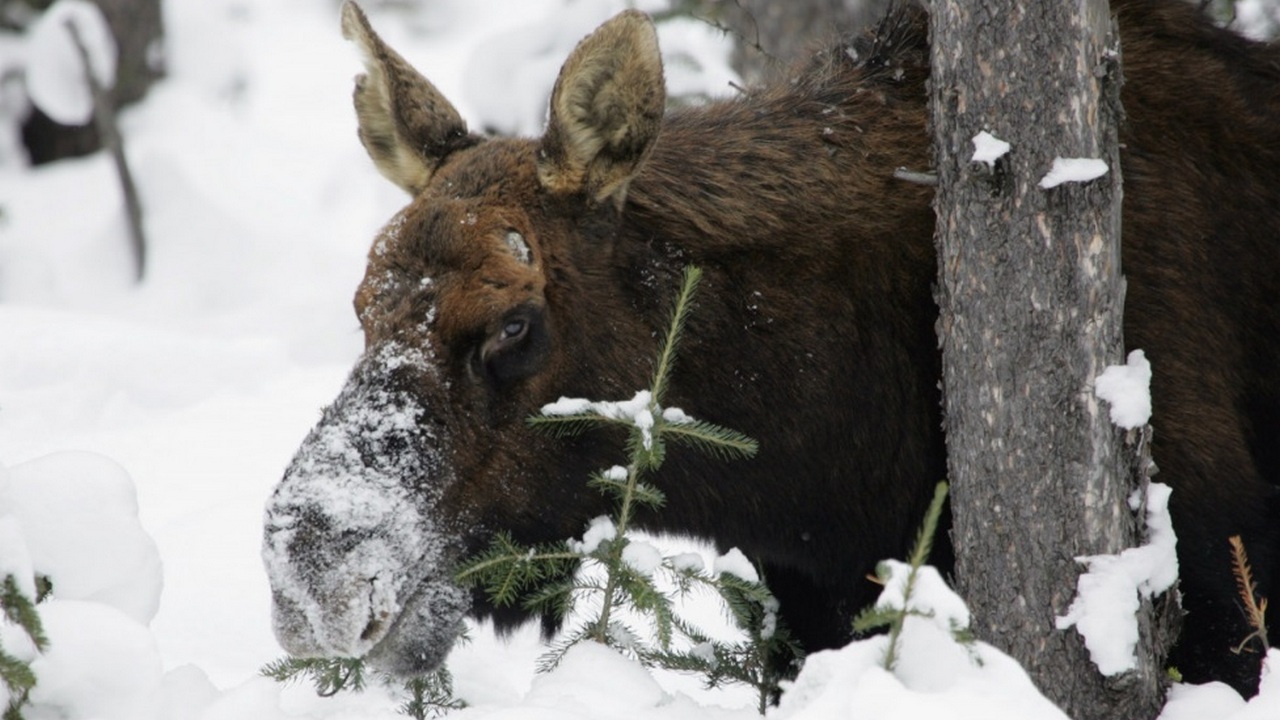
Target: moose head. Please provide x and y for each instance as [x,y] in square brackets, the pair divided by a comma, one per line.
[473,317]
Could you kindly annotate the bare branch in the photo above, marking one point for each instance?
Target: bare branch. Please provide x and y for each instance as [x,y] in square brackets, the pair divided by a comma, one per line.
[105,116]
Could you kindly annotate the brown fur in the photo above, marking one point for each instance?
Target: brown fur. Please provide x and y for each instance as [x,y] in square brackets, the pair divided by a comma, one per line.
[814,329]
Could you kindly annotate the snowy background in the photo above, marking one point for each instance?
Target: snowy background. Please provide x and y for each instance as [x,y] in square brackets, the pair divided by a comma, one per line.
[142,427]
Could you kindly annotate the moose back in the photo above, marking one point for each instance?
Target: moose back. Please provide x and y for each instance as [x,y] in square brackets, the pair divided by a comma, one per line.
[524,270]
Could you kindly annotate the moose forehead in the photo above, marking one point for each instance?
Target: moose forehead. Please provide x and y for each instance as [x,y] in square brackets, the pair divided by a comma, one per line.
[463,252]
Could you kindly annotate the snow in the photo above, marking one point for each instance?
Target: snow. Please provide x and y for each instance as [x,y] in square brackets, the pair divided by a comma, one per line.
[143,428]
[1073,170]
[109,558]
[935,676]
[56,79]
[599,530]
[567,406]
[100,663]
[688,562]
[642,557]
[1127,388]
[638,412]
[1109,594]
[1257,19]
[595,682]
[988,148]
[676,416]
[735,563]
[1220,702]
[15,558]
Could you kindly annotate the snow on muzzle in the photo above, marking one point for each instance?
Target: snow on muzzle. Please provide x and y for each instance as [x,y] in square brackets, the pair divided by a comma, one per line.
[358,564]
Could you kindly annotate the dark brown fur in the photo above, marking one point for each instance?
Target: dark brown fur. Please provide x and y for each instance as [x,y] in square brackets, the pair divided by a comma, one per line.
[814,330]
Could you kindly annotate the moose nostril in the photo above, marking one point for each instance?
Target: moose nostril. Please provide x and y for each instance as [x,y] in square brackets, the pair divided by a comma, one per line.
[372,630]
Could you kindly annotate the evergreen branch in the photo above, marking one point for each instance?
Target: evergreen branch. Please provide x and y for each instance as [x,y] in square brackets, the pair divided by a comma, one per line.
[44,587]
[1255,608]
[507,570]
[21,611]
[929,528]
[686,661]
[645,457]
[614,487]
[328,675]
[666,357]
[562,426]
[919,555]
[874,618]
[644,596]
[648,495]
[430,695]
[712,439]
[555,599]
[550,660]
[17,675]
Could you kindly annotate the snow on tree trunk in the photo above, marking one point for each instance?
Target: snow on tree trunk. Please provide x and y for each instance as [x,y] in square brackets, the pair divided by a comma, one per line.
[1031,301]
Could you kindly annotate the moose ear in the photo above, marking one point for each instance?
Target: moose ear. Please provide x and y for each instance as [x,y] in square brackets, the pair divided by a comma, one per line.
[406,125]
[606,110]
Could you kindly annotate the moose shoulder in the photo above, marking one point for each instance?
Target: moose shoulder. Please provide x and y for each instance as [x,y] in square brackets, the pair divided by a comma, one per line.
[523,270]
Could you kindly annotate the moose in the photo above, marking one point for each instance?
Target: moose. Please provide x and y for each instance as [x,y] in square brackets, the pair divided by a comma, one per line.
[526,270]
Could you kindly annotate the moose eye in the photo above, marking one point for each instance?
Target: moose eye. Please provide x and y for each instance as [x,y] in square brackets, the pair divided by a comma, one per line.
[516,348]
[514,329]
[517,245]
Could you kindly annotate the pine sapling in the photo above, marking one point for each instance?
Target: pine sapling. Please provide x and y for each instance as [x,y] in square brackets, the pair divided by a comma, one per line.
[894,617]
[546,580]
[1254,607]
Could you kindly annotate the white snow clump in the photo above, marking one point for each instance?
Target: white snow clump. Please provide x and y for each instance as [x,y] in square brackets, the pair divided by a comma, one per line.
[735,563]
[638,411]
[988,148]
[600,529]
[935,676]
[1077,170]
[1109,595]
[55,74]
[1128,389]
[73,517]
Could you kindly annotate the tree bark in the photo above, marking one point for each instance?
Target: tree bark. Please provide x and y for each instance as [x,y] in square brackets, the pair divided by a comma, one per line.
[1031,301]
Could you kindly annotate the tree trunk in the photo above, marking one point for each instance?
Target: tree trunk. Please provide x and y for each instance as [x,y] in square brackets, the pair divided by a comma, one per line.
[1031,301]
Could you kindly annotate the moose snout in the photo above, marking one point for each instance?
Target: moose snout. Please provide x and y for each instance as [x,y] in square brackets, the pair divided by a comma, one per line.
[352,539]
[335,589]
[380,595]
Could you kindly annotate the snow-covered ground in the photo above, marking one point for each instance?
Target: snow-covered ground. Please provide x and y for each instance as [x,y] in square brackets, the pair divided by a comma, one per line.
[142,428]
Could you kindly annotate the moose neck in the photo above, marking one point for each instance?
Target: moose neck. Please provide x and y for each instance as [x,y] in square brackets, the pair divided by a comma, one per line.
[774,195]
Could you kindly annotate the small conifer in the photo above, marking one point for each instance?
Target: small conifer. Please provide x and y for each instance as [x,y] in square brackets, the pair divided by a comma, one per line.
[893,617]
[20,610]
[548,580]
